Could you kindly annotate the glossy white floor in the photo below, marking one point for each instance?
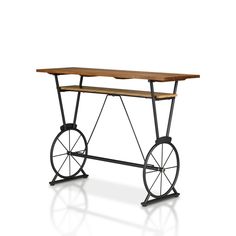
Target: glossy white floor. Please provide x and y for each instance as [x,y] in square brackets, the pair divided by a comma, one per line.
[174,36]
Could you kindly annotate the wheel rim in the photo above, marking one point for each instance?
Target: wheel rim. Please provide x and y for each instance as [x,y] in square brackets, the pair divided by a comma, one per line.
[63,162]
[161,169]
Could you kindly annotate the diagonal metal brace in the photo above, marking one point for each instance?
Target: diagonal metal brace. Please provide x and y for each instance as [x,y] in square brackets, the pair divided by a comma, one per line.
[98,118]
[127,114]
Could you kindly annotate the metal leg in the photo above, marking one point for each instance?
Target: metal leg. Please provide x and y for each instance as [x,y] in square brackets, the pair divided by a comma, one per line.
[60,101]
[154,109]
[77,102]
[158,196]
[171,110]
[69,126]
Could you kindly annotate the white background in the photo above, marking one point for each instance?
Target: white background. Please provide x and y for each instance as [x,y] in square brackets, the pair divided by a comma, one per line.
[183,36]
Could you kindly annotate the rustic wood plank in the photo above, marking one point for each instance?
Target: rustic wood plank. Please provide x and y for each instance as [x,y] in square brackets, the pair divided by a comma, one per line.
[119,74]
[113,91]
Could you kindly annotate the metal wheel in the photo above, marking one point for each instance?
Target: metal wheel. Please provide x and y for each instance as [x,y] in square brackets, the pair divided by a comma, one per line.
[161,169]
[63,162]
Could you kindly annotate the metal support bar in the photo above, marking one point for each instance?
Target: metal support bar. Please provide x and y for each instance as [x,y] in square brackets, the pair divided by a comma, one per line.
[98,118]
[171,110]
[77,101]
[53,180]
[154,109]
[126,163]
[174,190]
[132,128]
[60,101]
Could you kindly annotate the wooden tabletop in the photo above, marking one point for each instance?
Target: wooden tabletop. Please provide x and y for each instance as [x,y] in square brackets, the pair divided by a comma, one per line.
[119,74]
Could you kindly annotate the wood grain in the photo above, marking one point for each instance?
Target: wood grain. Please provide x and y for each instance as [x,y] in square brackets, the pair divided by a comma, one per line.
[119,74]
[113,91]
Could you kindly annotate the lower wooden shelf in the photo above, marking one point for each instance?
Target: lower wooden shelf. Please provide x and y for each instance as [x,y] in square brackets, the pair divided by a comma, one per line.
[121,92]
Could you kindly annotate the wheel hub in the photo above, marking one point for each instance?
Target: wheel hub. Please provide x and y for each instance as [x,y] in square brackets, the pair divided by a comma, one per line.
[162,169]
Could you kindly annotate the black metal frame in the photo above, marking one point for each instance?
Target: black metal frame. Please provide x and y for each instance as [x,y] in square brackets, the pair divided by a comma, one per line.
[60,101]
[67,126]
[77,102]
[155,113]
[159,139]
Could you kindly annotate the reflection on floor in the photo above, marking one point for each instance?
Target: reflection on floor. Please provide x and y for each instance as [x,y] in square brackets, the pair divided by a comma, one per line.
[70,208]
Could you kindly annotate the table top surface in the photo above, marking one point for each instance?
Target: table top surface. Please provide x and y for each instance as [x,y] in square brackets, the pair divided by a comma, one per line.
[119,74]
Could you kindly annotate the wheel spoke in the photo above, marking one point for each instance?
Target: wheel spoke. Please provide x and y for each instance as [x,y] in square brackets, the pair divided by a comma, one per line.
[59,155]
[75,160]
[167,178]
[161,155]
[155,160]
[75,143]
[168,157]
[161,166]
[155,181]
[69,139]
[63,163]
[170,167]
[69,166]
[161,183]
[151,171]
[62,144]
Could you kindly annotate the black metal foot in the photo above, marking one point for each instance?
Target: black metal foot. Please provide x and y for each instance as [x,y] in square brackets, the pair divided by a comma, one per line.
[155,200]
[53,182]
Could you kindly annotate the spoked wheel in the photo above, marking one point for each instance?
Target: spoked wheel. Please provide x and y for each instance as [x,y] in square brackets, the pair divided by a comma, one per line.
[161,169]
[63,162]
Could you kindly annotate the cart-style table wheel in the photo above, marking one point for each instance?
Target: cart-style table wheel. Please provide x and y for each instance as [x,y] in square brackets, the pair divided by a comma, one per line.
[161,169]
[63,162]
